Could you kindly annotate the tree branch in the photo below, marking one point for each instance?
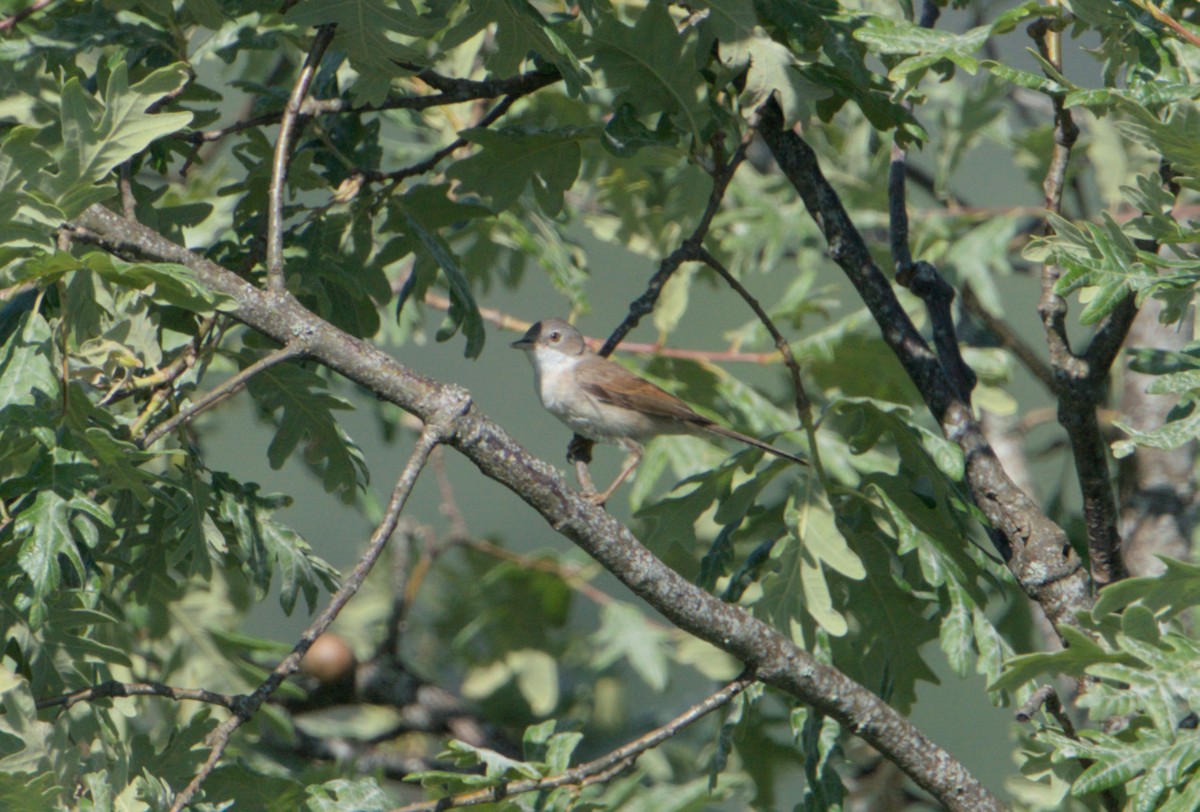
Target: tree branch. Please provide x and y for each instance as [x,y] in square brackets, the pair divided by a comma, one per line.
[10,23]
[598,770]
[768,655]
[233,385]
[458,90]
[283,150]
[1081,381]
[803,403]
[113,688]
[922,278]
[1035,549]
[435,431]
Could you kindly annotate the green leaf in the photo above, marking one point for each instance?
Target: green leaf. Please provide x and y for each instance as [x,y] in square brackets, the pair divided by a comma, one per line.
[653,67]
[1081,653]
[298,400]
[771,67]
[93,149]
[46,531]
[1175,590]
[26,365]
[509,162]
[366,29]
[463,310]
[626,634]
[360,794]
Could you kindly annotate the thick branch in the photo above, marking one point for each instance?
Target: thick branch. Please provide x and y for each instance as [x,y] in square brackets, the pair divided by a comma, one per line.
[1034,547]
[768,655]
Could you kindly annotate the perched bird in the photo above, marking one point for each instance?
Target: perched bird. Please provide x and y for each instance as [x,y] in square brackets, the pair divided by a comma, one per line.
[603,401]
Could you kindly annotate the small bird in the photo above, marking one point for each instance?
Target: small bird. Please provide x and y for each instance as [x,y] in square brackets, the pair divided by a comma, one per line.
[603,401]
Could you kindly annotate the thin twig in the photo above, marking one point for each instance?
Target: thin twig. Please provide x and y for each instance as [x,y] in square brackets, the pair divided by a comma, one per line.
[689,251]
[596,771]
[421,167]
[803,403]
[580,448]
[1008,338]
[461,90]
[506,322]
[1046,697]
[229,387]
[9,23]
[283,151]
[218,740]
[1169,21]
[113,688]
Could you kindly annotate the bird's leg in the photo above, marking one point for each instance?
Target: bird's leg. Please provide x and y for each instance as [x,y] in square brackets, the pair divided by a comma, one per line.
[580,452]
[631,462]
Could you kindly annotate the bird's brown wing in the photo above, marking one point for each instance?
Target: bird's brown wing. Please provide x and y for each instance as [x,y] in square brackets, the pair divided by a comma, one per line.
[617,386]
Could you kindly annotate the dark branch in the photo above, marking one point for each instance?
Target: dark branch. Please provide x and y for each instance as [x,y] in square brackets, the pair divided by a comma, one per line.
[1081,381]
[1035,549]
[112,688]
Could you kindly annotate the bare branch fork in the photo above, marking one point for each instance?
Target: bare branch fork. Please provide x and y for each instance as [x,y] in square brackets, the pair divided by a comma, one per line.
[597,770]
[1036,550]
[437,428]
[1081,380]
[769,656]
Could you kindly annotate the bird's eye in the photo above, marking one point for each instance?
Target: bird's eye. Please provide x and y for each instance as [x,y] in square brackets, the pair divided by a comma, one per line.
[555,335]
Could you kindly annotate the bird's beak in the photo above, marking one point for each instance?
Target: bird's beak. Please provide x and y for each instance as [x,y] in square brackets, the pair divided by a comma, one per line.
[527,341]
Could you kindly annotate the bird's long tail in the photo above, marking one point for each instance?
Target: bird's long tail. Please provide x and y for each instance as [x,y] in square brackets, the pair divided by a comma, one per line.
[745,438]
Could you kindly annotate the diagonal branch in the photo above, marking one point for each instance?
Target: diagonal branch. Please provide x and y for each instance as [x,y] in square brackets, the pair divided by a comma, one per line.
[768,655]
[803,403]
[1035,549]
[220,393]
[434,433]
[597,770]
[690,249]
[283,150]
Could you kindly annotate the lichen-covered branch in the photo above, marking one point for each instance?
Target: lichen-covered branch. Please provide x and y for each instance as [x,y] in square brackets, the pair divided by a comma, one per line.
[768,655]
